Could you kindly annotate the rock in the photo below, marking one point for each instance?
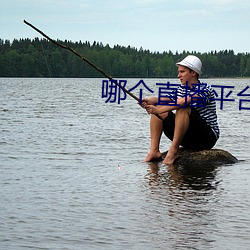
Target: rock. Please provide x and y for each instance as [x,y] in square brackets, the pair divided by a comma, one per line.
[204,157]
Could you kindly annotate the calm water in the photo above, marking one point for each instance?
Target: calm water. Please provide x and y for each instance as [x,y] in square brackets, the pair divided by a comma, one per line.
[72,176]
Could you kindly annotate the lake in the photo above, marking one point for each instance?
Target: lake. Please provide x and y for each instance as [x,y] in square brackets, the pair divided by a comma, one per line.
[72,173]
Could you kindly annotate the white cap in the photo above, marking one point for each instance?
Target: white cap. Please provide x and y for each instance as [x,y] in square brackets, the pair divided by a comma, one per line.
[191,62]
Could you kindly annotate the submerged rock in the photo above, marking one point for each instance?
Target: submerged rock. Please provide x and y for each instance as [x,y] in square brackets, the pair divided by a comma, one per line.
[204,157]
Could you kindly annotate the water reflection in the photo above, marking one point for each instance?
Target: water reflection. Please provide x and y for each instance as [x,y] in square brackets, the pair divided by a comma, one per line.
[183,197]
[183,177]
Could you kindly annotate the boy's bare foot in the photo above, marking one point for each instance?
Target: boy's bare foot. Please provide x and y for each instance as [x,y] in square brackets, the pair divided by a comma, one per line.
[171,156]
[153,156]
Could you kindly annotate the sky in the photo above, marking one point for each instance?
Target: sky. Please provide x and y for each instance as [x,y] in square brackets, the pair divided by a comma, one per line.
[155,25]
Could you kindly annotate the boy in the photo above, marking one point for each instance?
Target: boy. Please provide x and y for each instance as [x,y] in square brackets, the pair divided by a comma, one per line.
[192,126]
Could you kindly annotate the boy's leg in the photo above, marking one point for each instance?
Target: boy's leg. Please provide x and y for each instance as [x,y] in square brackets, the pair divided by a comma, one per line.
[181,127]
[156,128]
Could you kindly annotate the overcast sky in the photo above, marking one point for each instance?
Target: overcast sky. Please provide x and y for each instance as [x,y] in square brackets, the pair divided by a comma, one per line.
[157,25]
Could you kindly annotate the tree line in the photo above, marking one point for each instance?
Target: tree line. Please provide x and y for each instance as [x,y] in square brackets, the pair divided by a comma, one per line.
[41,58]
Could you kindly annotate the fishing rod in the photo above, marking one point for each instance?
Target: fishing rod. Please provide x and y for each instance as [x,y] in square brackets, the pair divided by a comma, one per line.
[84,59]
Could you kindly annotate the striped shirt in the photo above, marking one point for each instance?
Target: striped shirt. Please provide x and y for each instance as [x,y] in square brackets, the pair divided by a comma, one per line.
[204,104]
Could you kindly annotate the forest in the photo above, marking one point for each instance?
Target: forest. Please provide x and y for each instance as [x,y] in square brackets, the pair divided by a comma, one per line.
[41,58]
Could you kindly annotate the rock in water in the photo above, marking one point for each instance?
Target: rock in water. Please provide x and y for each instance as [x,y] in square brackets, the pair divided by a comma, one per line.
[204,157]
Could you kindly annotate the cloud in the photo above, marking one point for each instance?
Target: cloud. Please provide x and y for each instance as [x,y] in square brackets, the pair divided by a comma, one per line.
[221,2]
[84,6]
[225,5]
[149,2]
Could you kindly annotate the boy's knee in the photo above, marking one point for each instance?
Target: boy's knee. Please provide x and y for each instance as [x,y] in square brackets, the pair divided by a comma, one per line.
[184,111]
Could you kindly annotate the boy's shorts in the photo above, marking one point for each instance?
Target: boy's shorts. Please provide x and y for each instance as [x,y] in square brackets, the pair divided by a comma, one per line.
[199,135]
